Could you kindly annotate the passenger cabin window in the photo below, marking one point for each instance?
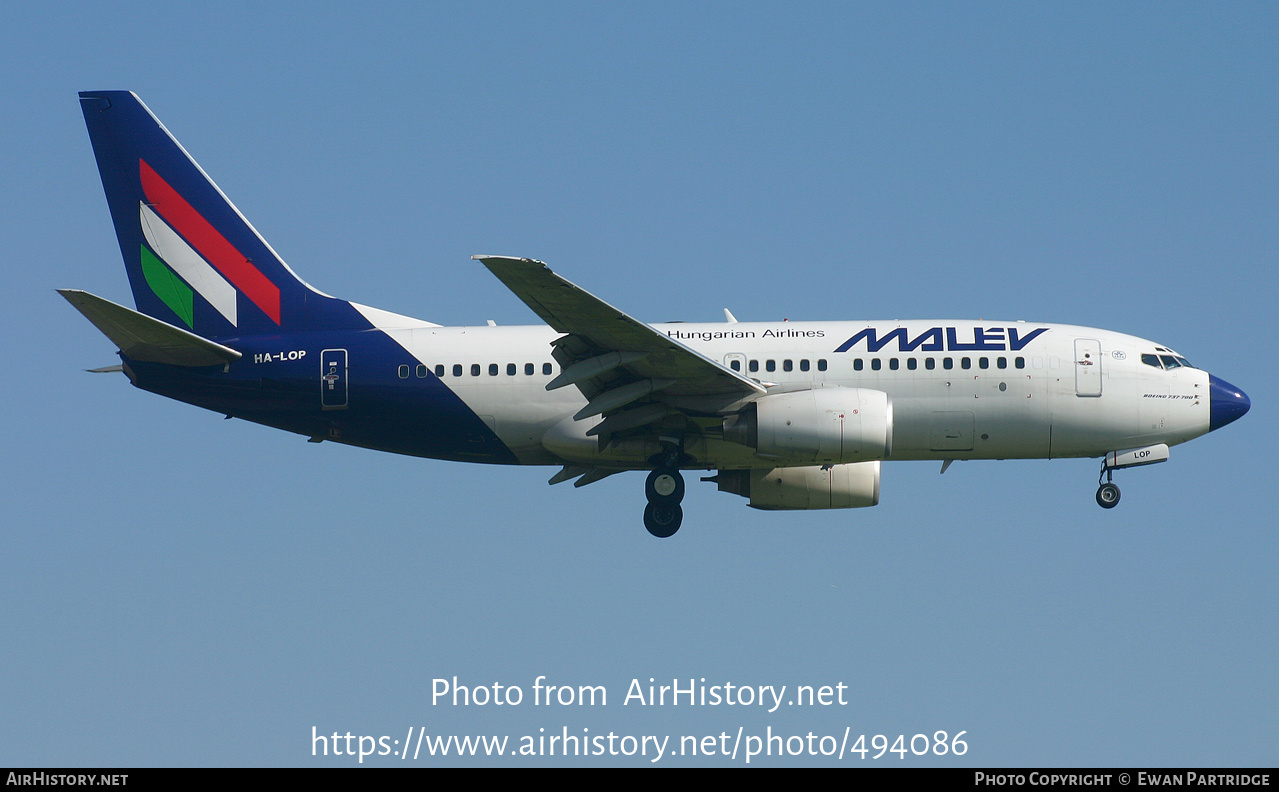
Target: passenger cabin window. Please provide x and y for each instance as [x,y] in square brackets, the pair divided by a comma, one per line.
[404,372]
[457,369]
[930,363]
[788,365]
[546,368]
[510,369]
[421,370]
[528,369]
[821,364]
[893,363]
[803,364]
[858,364]
[475,369]
[735,365]
[439,370]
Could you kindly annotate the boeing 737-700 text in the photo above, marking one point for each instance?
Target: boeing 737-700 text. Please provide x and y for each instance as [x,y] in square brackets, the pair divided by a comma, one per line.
[792,415]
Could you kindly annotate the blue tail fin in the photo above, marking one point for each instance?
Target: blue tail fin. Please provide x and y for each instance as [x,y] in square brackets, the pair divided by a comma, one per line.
[193,260]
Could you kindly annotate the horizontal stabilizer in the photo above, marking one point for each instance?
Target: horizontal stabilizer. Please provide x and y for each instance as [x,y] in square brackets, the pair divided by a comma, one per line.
[143,338]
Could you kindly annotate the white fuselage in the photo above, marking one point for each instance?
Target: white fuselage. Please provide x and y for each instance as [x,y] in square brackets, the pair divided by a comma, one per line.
[959,389]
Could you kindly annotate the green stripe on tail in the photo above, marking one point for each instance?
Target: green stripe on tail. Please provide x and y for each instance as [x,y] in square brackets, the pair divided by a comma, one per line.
[168,287]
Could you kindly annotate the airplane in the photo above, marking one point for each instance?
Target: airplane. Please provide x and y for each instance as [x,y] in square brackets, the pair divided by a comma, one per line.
[790,415]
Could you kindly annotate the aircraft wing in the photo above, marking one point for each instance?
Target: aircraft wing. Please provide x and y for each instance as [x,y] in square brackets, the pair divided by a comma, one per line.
[612,357]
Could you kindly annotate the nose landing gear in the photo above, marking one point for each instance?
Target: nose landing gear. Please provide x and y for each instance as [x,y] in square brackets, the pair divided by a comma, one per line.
[1108,493]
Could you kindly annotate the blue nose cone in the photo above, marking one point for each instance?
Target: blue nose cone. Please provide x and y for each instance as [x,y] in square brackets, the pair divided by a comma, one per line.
[1228,403]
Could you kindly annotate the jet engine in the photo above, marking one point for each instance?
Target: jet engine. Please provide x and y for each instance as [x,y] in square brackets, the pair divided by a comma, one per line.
[847,486]
[824,425]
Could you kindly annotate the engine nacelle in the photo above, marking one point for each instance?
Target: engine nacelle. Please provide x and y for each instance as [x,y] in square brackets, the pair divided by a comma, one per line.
[820,426]
[847,486]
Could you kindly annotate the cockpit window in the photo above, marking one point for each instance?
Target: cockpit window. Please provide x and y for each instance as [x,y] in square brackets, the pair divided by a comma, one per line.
[1166,361]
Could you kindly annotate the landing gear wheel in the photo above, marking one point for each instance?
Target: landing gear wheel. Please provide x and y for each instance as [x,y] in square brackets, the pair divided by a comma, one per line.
[1108,496]
[665,486]
[662,520]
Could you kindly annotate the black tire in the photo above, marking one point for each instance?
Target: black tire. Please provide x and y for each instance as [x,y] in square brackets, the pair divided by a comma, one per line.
[1108,496]
[661,520]
[664,486]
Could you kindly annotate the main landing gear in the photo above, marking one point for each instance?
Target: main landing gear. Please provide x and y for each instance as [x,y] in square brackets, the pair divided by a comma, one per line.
[1108,493]
[664,489]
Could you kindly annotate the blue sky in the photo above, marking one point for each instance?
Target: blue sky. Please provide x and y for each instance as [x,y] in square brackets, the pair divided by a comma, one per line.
[176,589]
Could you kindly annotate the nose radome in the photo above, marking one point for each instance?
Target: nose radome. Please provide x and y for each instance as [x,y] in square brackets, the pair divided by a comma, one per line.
[1228,403]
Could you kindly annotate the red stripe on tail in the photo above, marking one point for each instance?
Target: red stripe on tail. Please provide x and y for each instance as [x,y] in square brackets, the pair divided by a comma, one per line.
[212,245]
